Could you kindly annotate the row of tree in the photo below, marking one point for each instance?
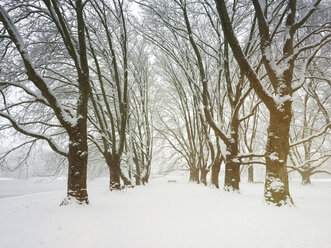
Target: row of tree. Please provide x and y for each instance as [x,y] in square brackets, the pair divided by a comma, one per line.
[234,68]
[83,76]
[75,74]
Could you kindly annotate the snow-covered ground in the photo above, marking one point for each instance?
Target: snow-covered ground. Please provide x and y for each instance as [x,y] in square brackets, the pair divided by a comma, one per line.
[162,214]
[12,187]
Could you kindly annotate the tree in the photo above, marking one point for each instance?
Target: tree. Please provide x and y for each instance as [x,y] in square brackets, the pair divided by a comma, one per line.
[109,95]
[140,128]
[250,136]
[180,127]
[310,157]
[65,39]
[198,48]
[189,137]
[279,25]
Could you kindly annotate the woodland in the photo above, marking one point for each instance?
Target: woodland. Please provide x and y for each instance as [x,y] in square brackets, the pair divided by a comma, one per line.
[205,86]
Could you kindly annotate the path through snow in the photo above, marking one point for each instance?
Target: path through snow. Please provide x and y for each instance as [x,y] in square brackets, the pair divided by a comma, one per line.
[168,215]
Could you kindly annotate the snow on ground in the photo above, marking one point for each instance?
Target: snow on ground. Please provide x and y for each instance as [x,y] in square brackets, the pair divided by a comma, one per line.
[10,187]
[167,215]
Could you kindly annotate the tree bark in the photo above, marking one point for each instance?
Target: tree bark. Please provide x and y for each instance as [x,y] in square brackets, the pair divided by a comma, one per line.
[145,179]
[113,163]
[305,178]
[194,175]
[250,174]
[232,165]
[232,176]
[126,180]
[276,190]
[137,176]
[215,171]
[77,170]
[203,175]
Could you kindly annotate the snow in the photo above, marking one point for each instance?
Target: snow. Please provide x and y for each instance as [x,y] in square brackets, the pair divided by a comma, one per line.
[223,147]
[11,187]
[277,186]
[167,215]
[236,160]
[274,156]
[14,33]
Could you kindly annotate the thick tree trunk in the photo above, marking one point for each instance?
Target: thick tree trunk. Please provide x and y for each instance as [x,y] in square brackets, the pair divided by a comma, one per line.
[251,174]
[276,188]
[215,171]
[232,175]
[113,163]
[232,165]
[203,176]
[137,179]
[305,178]
[77,170]
[194,175]
[78,149]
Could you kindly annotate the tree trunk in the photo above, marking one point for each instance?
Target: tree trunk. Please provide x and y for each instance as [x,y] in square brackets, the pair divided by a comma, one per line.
[138,173]
[113,163]
[305,178]
[194,175]
[232,175]
[276,188]
[137,179]
[251,174]
[203,176]
[232,165]
[77,170]
[78,149]
[215,171]
[126,180]
[145,179]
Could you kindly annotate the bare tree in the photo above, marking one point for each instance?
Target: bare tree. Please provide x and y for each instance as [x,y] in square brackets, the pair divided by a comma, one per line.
[310,157]
[109,95]
[140,128]
[41,79]
[251,137]
[281,48]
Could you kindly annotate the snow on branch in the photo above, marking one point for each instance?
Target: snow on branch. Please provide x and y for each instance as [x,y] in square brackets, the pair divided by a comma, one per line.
[321,171]
[37,96]
[26,132]
[242,60]
[2,36]
[69,41]
[62,114]
[317,45]
[298,167]
[250,162]
[250,155]
[251,113]
[305,17]
[13,32]
[323,130]
[13,149]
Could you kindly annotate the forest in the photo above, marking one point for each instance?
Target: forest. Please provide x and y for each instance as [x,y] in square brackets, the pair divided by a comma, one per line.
[205,87]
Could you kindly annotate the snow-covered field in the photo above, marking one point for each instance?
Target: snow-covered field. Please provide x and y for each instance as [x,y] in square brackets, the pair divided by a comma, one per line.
[162,214]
